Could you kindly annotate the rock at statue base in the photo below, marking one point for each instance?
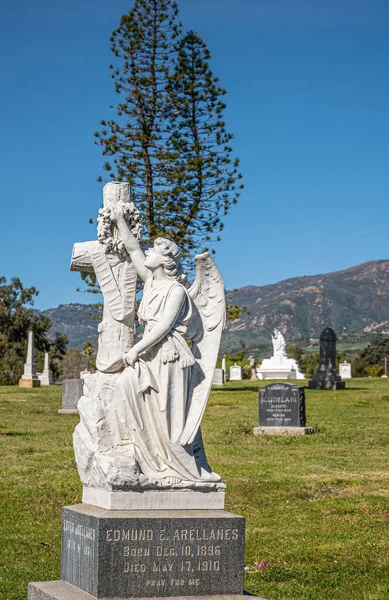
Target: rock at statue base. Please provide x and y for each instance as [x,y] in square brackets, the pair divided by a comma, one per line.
[281,408]
[326,377]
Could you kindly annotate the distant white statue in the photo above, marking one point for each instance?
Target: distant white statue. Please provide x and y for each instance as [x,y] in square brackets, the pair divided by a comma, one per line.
[140,423]
[279,345]
[279,366]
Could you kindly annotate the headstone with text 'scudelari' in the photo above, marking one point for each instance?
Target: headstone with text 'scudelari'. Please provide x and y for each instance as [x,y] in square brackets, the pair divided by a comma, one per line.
[281,410]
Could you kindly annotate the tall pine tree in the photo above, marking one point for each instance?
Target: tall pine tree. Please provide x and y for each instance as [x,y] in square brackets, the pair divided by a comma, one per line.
[144,47]
[169,138]
[203,176]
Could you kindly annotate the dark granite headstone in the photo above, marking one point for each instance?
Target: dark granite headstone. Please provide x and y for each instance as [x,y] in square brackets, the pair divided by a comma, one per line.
[326,377]
[142,554]
[281,405]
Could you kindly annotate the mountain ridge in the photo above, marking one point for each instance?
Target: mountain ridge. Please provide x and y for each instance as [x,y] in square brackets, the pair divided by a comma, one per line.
[351,300]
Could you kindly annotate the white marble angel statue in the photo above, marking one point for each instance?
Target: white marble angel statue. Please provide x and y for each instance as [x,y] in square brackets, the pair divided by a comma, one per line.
[140,427]
[279,345]
[163,390]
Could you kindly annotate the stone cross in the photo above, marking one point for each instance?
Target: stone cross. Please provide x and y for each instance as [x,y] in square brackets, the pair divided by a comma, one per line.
[117,279]
[29,378]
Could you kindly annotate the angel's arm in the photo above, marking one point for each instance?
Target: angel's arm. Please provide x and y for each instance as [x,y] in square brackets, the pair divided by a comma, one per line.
[162,328]
[130,242]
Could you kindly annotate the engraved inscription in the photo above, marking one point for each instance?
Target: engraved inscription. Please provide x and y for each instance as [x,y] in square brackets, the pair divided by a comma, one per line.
[184,551]
[281,405]
[143,557]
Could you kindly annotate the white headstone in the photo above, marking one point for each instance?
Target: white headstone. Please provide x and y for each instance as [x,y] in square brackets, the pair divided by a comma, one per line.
[235,373]
[345,370]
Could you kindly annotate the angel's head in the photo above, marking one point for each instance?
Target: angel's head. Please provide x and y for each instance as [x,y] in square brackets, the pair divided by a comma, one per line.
[167,254]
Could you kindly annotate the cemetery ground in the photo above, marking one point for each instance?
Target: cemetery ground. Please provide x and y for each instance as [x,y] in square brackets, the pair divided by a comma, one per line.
[316,507]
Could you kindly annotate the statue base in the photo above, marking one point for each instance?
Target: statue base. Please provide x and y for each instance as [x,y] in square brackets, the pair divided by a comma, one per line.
[29,382]
[279,367]
[147,553]
[336,385]
[163,499]
[60,590]
[326,380]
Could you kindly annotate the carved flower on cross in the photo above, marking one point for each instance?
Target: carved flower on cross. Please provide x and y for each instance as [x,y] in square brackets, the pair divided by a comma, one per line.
[108,234]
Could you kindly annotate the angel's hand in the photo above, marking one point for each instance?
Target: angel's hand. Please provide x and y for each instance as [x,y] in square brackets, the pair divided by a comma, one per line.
[115,211]
[130,358]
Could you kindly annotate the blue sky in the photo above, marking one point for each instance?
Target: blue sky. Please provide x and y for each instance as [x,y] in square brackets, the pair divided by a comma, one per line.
[307,101]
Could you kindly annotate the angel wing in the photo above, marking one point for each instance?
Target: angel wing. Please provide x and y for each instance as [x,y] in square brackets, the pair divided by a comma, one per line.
[209,314]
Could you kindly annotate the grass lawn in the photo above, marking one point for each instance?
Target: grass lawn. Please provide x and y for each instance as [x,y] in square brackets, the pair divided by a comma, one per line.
[316,507]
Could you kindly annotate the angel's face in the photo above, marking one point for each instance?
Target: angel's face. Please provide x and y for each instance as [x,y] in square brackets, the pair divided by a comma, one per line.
[153,258]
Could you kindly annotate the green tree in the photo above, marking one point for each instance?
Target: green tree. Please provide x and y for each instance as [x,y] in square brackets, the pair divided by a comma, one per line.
[136,141]
[168,138]
[202,174]
[309,364]
[374,354]
[72,364]
[295,352]
[374,370]
[56,351]
[16,320]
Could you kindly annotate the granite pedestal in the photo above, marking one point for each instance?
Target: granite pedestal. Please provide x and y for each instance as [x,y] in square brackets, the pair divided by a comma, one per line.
[29,382]
[60,590]
[148,553]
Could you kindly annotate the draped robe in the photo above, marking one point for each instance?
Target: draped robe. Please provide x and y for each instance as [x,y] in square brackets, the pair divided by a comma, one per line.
[151,397]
